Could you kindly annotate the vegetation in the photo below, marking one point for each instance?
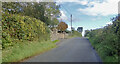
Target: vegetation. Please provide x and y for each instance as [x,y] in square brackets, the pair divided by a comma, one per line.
[18,28]
[23,36]
[76,34]
[62,26]
[25,29]
[106,40]
[0,56]
[80,29]
[47,12]
[0,35]
[21,51]
[27,21]
[55,41]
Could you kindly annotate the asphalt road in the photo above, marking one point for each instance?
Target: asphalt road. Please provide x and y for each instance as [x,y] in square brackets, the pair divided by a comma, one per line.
[71,50]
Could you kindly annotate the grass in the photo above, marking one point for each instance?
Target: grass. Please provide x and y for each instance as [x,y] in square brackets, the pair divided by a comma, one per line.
[0,56]
[72,36]
[55,41]
[21,50]
[75,34]
[0,46]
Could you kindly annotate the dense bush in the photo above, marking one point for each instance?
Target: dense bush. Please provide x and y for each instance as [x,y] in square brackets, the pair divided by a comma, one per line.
[41,10]
[18,28]
[106,40]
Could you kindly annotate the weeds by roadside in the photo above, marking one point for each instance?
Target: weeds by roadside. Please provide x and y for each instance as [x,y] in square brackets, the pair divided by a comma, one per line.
[24,50]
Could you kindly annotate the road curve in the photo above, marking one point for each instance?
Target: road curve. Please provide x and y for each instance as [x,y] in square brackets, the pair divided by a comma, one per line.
[71,50]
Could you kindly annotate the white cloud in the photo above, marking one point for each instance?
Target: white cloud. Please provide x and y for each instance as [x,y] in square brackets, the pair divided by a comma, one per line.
[109,23]
[67,0]
[85,2]
[63,16]
[109,7]
[82,2]
[97,18]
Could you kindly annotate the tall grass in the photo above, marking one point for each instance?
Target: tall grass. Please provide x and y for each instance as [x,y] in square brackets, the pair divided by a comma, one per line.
[75,34]
[20,51]
[0,56]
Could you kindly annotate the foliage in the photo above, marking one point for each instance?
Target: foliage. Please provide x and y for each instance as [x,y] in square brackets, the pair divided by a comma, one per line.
[80,29]
[67,31]
[55,41]
[18,28]
[106,40]
[62,26]
[47,12]
[76,34]
[24,28]
[72,28]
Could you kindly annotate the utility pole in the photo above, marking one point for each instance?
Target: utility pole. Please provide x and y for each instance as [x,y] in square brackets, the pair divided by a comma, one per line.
[71,24]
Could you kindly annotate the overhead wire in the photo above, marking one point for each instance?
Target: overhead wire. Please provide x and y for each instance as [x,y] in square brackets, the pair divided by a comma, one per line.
[66,9]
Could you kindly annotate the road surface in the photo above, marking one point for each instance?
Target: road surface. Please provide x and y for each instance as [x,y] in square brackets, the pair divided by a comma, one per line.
[71,50]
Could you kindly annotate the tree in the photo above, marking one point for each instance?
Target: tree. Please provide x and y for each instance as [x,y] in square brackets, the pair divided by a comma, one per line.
[62,26]
[73,29]
[47,12]
[80,29]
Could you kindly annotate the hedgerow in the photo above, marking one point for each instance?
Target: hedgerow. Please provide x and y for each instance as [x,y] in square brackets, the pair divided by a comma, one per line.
[106,41]
[19,28]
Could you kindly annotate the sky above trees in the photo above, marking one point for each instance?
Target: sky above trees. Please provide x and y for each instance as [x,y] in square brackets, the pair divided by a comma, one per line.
[89,14]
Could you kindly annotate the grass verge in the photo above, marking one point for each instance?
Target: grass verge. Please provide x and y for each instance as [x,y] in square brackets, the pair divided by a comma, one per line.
[55,41]
[0,56]
[75,34]
[72,36]
[21,50]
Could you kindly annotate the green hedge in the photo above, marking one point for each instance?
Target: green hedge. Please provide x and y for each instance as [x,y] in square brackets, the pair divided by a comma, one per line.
[106,41]
[18,28]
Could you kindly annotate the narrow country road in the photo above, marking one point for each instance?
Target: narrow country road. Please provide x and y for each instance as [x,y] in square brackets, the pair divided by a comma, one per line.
[71,50]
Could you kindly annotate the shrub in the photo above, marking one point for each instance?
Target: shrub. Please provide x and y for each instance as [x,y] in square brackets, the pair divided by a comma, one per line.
[18,28]
[106,41]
